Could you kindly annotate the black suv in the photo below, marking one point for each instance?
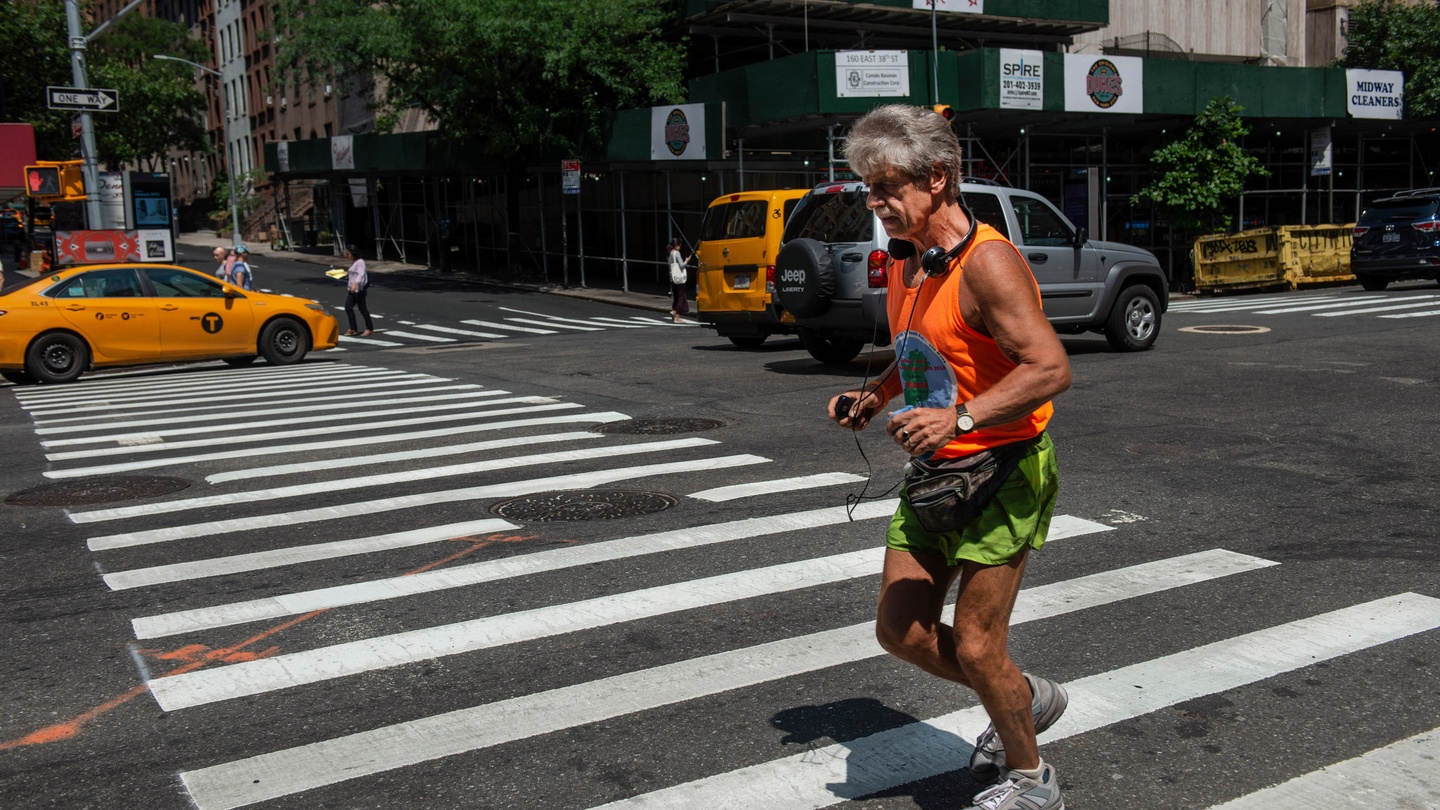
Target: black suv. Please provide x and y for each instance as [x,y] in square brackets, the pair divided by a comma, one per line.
[1397,238]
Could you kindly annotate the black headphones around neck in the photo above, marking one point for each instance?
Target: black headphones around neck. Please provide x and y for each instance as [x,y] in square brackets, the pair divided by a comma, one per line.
[935,261]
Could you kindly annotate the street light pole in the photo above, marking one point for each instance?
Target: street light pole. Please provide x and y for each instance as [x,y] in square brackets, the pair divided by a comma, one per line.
[225,123]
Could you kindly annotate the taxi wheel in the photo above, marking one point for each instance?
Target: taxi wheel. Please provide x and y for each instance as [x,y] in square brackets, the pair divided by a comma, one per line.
[284,341]
[57,358]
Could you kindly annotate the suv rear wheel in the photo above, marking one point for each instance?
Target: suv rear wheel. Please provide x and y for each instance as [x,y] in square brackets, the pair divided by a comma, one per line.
[1134,321]
[830,349]
[1373,283]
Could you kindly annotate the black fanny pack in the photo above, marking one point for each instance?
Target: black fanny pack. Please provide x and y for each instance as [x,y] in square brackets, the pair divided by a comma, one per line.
[947,494]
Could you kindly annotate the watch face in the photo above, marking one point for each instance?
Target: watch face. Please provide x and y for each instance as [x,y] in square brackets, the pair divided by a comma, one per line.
[965,422]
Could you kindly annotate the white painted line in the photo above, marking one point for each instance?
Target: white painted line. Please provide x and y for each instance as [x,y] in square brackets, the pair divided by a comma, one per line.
[450,330]
[282,773]
[319,431]
[1389,308]
[241,422]
[257,677]
[470,392]
[418,336]
[338,386]
[368,341]
[286,399]
[616,323]
[375,459]
[361,441]
[385,479]
[138,397]
[1402,774]
[183,376]
[776,486]
[296,555]
[511,327]
[571,327]
[552,320]
[1349,302]
[821,777]
[1415,314]
[510,489]
[217,616]
[1237,306]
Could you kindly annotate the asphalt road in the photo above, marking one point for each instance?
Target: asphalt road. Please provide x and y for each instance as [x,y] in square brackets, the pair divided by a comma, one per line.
[1241,587]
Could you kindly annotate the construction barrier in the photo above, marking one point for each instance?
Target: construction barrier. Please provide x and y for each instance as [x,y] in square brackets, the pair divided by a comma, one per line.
[1291,255]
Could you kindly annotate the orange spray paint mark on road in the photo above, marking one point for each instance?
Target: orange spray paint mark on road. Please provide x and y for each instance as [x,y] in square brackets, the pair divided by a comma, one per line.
[195,656]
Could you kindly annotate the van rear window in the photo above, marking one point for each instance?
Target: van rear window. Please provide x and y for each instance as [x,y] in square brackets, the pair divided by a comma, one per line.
[840,217]
[737,220]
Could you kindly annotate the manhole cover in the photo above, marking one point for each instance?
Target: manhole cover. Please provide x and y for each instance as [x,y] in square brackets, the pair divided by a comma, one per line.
[656,427]
[583,504]
[1223,329]
[98,490]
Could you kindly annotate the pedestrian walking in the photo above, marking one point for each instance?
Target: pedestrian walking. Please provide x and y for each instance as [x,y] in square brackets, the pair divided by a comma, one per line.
[978,365]
[222,262]
[357,283]
[679,276]
[241,274]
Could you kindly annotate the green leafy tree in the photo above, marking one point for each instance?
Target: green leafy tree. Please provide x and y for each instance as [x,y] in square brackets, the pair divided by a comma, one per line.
[1198,177]
[1389,35]
[517,78]
[245,200]
[32,56]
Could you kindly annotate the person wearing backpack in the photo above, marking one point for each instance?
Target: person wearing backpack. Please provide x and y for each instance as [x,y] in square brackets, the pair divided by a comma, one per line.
[240,273]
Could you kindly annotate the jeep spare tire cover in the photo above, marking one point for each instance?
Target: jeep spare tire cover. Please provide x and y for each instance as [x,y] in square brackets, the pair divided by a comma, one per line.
[804,277]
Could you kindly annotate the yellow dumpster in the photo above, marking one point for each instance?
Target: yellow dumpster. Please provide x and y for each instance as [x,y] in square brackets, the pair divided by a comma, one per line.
[1290,255]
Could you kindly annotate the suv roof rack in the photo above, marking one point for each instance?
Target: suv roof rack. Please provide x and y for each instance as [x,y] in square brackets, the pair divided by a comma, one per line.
[1416,192]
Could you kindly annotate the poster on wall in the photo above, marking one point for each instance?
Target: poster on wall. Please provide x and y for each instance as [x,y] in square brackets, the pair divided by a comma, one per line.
[1022,79]
[957,6]
[872,74]
[1107,84]
[342,152]
[677,132]
[1320,152]
[148,196]
[1375,93]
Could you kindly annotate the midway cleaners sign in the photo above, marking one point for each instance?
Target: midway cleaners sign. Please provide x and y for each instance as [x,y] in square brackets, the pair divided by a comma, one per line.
[678,132]
[1108,84]
[1375,93]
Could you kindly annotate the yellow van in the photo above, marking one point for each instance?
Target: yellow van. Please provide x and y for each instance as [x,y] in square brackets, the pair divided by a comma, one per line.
[735,286]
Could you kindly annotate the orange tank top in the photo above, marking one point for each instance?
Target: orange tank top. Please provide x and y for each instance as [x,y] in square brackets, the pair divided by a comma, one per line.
[942,361]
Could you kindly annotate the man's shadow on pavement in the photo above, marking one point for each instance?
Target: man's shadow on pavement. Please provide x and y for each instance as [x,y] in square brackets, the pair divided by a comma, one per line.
[860,725]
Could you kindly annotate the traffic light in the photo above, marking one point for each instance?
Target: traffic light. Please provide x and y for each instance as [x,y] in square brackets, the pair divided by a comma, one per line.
[42,181]
[944,111]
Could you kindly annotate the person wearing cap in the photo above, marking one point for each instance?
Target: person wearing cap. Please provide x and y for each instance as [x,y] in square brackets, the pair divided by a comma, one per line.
[357,283]
[240,274]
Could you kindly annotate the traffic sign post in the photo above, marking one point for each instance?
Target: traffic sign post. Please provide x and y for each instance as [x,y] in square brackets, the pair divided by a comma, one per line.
[81,99]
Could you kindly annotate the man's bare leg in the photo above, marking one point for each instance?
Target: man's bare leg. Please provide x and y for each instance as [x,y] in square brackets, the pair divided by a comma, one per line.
[982,634]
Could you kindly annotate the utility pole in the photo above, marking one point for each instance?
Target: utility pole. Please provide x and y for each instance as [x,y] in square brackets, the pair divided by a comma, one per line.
[79,42]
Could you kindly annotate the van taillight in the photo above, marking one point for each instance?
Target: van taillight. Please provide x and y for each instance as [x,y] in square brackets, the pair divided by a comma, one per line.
[1360,230]
[1427,225]
[770,275]
[876,269]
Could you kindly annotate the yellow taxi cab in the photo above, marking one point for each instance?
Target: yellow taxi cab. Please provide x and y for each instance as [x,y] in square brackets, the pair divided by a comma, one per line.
[735,282]
[55,327]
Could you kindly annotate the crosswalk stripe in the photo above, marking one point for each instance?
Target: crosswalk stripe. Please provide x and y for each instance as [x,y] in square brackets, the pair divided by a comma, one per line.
[140,397]
[1402,774]
[1350,302]
[551,320]
[237,399]
[368,341]
[339,400]
[376,459]
[478,399]
[450,330]
[506,490]
[775,486]
[572,327]
[468,392]
[493,570]
[829,775]
[359,441]
[542,404]
[620,323]
[1389,308]
[511,327]
[385,479]
[296,555]
[282,773]
[417,336]
[1415,314]
[181,376]
[1237,306]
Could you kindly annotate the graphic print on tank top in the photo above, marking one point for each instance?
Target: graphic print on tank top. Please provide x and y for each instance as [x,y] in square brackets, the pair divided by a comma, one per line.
[926,380]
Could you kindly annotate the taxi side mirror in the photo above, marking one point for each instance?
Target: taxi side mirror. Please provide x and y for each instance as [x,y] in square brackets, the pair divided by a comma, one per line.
[227,290]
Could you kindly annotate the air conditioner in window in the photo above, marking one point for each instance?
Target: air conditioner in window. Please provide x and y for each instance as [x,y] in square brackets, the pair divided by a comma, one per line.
[284,102]
[269,101]
[328,91]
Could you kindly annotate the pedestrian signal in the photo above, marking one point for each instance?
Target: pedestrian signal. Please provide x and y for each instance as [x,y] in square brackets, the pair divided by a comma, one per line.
[42,181]
[945,111]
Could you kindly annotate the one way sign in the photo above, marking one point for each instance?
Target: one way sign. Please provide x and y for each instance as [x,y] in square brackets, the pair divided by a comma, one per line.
[75,98]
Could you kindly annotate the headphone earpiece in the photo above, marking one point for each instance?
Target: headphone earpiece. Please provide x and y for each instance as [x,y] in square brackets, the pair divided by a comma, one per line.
[936,261]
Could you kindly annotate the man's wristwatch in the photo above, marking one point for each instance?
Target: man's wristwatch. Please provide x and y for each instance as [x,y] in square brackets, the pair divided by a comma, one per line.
[964,422]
